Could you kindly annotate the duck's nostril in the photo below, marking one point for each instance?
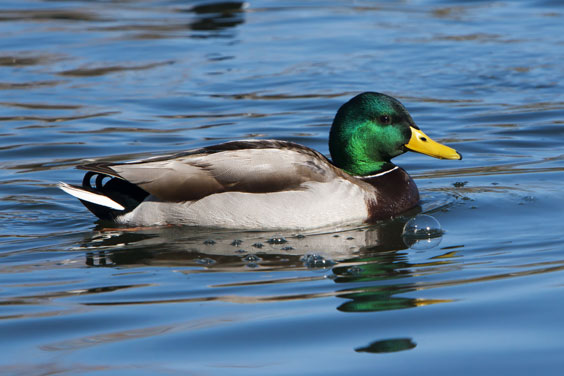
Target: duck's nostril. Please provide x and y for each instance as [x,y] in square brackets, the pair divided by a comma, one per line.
[423,139]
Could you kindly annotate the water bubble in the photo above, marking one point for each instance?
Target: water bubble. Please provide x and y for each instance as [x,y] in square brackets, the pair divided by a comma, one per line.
[354,270]
[252,258]
[276,241]
[315,261]
[422,227]
[422,232]
[205,261]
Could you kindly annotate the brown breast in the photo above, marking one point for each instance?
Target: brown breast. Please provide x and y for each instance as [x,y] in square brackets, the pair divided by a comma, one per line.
[394,193]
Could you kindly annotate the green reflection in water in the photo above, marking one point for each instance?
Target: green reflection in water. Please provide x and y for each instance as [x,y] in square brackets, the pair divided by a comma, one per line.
[375,299]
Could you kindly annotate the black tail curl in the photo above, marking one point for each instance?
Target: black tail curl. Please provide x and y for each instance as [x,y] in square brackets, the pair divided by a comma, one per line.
[121,191]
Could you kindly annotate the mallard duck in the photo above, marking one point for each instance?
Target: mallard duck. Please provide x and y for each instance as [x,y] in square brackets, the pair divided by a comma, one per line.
[271,184]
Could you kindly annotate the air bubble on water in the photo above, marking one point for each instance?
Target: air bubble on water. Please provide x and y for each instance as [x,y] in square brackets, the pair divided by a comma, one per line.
[422,232]
[354,270]
[315,261]
[252,258]
[422,227]
[205,261]
[277,241]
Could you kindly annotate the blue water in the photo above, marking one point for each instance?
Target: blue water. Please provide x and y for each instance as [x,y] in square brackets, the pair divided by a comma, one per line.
[117,80]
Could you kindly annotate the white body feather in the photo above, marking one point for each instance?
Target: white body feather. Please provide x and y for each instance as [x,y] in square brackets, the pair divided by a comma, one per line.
[317,205]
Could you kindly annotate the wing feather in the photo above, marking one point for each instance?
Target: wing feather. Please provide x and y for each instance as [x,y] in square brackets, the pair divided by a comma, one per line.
[255,166]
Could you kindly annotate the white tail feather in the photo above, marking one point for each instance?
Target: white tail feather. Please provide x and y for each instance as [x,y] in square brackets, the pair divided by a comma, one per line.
[94,198]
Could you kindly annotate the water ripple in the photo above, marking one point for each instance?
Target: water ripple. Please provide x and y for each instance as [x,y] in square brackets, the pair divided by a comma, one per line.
[120,80]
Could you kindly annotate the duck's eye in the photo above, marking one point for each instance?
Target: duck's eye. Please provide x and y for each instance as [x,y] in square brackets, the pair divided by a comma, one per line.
[384,119]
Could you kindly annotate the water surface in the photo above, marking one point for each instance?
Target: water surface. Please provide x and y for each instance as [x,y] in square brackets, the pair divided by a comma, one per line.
[116,80]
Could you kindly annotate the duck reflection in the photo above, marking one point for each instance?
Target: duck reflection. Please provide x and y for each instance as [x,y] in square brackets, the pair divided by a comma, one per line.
[366,263]
[366,258]
[220,250]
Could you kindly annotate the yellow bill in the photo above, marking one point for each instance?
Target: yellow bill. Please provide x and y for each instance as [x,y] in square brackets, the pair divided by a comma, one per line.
[422,143]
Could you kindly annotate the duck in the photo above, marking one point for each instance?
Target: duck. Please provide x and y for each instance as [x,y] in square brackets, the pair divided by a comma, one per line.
[260,184]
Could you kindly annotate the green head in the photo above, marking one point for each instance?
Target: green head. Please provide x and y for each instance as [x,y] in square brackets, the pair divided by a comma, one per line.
[371,129]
